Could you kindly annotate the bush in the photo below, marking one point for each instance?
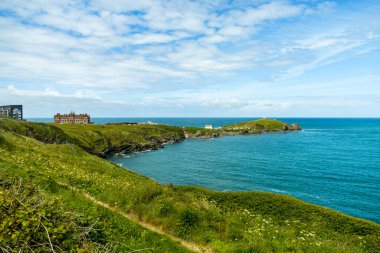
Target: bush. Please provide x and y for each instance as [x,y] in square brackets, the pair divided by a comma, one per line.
[189,218]
[165,209]
[30,221]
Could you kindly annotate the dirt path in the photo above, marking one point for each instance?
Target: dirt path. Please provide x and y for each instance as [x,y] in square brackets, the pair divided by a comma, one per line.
[189,245]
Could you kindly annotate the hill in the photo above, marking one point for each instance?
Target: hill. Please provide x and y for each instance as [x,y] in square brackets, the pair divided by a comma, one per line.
[105,140]
[125,206]
[259,126]
[262,126]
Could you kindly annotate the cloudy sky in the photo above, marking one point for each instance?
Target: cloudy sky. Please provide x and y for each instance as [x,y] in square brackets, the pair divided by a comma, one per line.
[304,58]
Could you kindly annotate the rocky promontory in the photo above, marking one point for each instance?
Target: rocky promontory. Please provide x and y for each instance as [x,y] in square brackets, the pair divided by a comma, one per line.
[259,126]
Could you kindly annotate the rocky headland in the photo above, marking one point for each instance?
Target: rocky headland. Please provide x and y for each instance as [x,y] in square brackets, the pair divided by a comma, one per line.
[260,126]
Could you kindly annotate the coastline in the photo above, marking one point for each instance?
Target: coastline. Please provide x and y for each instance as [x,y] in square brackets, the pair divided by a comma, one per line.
[211,219]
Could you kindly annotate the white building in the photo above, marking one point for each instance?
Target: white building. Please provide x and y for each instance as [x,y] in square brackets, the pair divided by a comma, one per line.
[208,126]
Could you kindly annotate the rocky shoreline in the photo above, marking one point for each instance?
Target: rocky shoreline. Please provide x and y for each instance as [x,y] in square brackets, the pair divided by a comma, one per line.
[152,145]
[239,129]
[210,135]
[199,133]
[122,138]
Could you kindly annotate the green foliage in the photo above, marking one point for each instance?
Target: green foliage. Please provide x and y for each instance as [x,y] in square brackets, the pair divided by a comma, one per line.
[39,131]
[259,125]
[224,221]
[249,127]
[30,221]
[74,223]
[188,218]
[104,140]
[165,209]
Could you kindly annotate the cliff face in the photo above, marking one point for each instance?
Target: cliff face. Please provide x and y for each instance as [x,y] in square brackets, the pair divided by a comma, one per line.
[106,140]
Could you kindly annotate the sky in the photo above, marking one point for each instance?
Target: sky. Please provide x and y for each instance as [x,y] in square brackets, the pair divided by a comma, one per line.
[219,58]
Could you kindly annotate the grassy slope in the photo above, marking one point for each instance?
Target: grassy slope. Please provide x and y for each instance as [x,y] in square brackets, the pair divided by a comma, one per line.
[39,131]
[249,127]
[228,222]
[68,215]
[106,139]
[100,140]
[258,125]
[112,230]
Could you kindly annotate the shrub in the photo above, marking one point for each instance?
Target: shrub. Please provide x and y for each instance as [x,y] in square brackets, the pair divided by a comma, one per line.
[189,218]
[30,221]
[165,209]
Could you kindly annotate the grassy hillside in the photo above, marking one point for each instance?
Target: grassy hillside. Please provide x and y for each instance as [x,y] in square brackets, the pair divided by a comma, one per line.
[39,131]
[101,140]
[223,222]
[258,126]
[104,140]
[38,215]
[262,125]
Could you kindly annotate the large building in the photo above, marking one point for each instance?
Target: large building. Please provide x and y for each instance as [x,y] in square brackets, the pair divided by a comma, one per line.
[14,111]
[72,118]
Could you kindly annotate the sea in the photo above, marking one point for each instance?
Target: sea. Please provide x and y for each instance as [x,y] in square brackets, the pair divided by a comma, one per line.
[333,162]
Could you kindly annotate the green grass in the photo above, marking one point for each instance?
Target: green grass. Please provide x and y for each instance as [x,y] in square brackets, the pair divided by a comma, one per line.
[258,125]
[101,140]
[226,222]
[107,139]
[39,131]
[30,200]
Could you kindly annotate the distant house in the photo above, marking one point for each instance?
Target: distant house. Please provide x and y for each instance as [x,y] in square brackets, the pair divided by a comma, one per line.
[208,126]
[14,111]
[72,118]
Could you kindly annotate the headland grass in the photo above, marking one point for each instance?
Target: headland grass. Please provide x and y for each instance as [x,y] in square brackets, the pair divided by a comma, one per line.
[221,221]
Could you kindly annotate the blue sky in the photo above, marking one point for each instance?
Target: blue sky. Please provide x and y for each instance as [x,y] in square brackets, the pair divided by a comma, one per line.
[153,58]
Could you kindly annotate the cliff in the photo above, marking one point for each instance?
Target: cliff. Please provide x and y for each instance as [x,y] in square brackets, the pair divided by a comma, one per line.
[260,126]
[106,140]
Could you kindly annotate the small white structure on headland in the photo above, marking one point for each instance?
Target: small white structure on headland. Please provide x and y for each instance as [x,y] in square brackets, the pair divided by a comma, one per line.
[208,126]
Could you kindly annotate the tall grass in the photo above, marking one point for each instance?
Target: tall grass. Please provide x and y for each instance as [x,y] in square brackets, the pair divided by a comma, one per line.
[227,222]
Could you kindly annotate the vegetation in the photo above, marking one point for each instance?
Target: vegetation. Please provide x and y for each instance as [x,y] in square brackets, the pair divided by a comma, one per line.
[258,126]
[33,221]
[39,131]
[262,125]
[40,215]
[104,140]
[217,221]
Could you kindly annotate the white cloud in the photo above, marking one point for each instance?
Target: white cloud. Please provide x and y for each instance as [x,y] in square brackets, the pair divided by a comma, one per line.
[49,92]
[143,48]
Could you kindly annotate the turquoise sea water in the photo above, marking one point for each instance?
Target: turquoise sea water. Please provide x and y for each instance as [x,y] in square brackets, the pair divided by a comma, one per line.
[332,162]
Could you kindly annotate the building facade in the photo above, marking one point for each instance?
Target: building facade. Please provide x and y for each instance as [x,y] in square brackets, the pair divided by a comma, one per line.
[14,111]
[72,118]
